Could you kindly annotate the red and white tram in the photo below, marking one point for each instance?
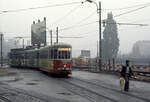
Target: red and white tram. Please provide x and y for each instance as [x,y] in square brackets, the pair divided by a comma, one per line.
[56,59]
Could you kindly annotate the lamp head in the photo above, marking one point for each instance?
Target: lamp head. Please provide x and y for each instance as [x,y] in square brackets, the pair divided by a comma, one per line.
[89,1]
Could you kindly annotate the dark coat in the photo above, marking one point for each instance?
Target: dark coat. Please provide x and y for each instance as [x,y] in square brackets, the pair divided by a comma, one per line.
[123,71]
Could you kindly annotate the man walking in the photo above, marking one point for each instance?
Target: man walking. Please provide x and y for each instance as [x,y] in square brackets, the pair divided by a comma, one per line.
[126,73]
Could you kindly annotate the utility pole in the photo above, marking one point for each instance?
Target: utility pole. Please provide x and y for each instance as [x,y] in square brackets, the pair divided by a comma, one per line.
[23,43]
[57,35]
[97,61]
[45,30]
[100,40]
[51,37]
[149,66]
[1,50]
[97,49]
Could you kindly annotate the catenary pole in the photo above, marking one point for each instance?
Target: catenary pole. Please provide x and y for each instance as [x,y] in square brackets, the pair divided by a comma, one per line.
[51,37]
[1,50]
[57,35]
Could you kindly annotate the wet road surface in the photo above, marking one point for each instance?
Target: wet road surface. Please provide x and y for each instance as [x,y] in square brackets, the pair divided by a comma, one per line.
[79,87]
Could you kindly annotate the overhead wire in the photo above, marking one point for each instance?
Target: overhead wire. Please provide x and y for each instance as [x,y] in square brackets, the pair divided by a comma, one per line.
[74,26]
[67,28]
[128,24]
[48,6]
[132,10]
[84,34]
[66,15]
[128,7]
[127,28]
[68,37]
[26,37]
[143,20]
[77,24]
[86,18]
[145,5]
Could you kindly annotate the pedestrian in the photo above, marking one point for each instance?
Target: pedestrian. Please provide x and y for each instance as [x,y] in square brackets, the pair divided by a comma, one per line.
[126,74]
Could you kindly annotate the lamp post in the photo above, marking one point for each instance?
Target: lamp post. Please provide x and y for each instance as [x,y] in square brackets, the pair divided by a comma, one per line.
[100,42]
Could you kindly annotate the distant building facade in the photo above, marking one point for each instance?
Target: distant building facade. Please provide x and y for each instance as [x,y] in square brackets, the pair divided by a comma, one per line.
[85,53]
[141,49]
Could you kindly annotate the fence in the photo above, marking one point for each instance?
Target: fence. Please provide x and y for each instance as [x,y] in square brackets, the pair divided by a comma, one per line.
[141,72]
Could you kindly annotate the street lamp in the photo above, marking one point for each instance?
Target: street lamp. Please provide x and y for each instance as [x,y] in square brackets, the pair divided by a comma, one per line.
[100,42]
[90,1]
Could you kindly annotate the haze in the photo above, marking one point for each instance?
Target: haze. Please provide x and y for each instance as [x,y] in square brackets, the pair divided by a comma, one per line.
[15,24]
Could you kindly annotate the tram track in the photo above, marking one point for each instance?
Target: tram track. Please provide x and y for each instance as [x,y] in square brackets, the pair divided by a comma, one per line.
[81,87]
[86,93]
[77,80]
[118,91]
[4,99]
[81,91]
[21,93]
[73,85]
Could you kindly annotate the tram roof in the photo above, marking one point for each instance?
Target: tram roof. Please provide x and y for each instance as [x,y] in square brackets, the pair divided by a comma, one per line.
[60,45]
[22,50]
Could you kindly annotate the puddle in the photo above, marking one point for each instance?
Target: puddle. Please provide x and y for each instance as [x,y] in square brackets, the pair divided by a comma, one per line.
[9,94]
[31,83]
[12,79]
[35,80]
[64,93]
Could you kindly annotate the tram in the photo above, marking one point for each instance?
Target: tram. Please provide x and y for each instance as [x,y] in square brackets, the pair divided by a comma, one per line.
[54,59]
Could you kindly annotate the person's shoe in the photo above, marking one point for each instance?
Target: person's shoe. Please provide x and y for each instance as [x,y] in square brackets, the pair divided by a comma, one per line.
[126,90]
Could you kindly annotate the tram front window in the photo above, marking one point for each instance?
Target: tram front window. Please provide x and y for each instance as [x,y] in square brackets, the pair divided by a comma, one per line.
[64,54]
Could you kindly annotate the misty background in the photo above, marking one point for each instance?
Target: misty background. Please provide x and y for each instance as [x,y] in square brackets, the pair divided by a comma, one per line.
[76,20]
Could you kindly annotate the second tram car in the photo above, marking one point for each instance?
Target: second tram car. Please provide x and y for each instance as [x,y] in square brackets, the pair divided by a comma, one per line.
[55,59]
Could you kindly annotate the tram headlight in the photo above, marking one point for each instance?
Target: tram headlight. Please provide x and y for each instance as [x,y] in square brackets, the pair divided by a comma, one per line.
[65,65]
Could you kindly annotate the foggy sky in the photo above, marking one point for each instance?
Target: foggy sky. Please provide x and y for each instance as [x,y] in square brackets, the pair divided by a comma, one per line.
[19,23]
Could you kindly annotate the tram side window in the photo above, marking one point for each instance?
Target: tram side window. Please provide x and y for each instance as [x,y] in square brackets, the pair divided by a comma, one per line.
[30,55]
[27,55]
[44,54]
[51,53]
[55,53]
[34,55]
